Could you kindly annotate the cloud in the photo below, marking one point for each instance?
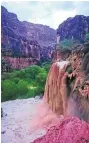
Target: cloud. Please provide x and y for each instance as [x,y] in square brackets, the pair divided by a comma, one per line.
[82,8]
[55,19]
[50,13]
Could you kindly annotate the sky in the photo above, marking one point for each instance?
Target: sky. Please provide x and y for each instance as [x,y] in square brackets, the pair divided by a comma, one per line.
[51,13]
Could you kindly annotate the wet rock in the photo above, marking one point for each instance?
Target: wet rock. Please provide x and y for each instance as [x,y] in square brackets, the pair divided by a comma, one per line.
[2,113]
[3,132]
[37,97]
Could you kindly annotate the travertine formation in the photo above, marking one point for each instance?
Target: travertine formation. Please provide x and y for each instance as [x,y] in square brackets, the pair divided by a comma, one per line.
[61,85]
[71,130]
[56,97]
[69,102]
[54,89]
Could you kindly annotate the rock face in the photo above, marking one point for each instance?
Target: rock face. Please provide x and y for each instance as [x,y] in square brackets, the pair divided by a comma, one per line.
[20,63]
[58,96]
[74,28]
[24,39]
[45,35]
[35,43]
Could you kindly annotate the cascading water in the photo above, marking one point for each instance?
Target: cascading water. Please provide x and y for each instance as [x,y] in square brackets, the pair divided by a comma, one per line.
[50,111]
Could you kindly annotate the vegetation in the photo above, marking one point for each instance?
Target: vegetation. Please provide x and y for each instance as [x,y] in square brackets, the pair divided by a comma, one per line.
[87,37]
[46,65]
[67,44]
[24,83]
[29,82]
[9,90]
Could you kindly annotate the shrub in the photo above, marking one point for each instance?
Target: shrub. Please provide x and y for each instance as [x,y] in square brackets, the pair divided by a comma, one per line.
[33,91]
[9,75]
[21,74]
[33,71]
[46,66]
[9,90]
[67,44]
[28,79]
[27,76]
[13,74]
[87,37]
[41,78]
[32,84]
[5,76]
[16,80]
[22,87]
[26,83]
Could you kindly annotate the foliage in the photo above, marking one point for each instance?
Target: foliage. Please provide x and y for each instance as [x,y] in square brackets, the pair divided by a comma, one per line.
[21,74]
[22,87]
[33,92]
[87,37]
[46,66]
[9,75]
[41,89]
[41,78]
[25,83]
[67,44]
[16,80]
[33,71]
[9,90]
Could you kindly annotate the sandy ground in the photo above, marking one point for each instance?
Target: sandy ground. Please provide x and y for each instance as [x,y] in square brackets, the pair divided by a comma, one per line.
[16,125]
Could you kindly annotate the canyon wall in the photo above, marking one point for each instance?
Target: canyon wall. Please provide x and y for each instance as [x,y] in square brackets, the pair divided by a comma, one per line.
[25,40]
[74,28]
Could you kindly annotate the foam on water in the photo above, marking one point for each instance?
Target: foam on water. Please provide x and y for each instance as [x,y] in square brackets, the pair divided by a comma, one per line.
[62,63]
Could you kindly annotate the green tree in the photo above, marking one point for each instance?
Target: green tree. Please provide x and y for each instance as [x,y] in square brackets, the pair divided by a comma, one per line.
[46,66]
[41,78]
[33,71]
[21,74]
[67,44]
[33,92]
[25,83]
[16,80]
[9,90]
[22,87]
[87,37]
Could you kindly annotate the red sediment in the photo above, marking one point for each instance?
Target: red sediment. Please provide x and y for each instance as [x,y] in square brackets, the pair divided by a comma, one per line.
[71,130]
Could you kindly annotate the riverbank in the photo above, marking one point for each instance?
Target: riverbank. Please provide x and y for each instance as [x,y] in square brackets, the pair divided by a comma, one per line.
[15,126]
